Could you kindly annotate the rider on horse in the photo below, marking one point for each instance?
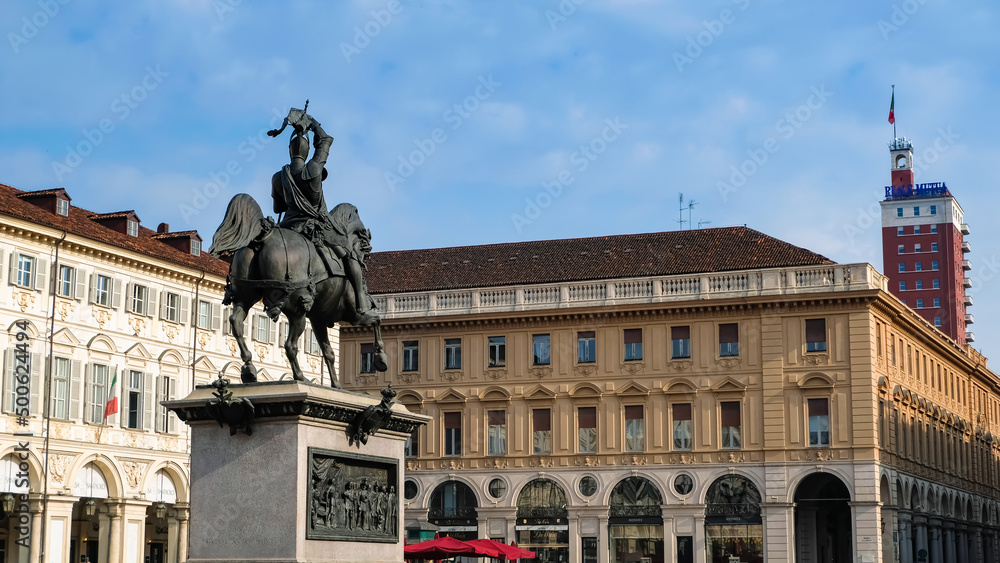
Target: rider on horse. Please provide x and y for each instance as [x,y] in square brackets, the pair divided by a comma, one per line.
[339,236]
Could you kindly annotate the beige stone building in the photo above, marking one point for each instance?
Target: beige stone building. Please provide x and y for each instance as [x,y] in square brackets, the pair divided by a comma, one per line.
[105,307]
[707,396]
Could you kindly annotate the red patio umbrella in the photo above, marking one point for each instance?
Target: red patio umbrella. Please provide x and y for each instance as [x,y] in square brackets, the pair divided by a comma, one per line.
[510,552]
[443,548]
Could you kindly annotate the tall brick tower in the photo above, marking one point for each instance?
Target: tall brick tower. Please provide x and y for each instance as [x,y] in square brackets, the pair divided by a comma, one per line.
[923,247]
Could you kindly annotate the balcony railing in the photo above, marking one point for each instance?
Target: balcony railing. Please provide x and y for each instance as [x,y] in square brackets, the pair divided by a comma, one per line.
[453,513]
[660,289]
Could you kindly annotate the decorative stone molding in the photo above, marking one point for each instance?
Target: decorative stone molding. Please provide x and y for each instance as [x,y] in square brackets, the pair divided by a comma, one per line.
[633,460]
[231,344]
[732,457]
[59,430]
[102,316]
[169,443]
[170,330]
[133,472]
[263,351]
[820,359]
[496,374]
[24,299]
[728,363]
[585,369]
[65,308]
[541,462]
[680,366]
[409,376]
[138,324]
[313,362]
[824,454]
[588,461]
[682,458]
[496,462]
[451,375]
[412,465]
[58,465]
[453,464]
[367,378]
[204,339]
[633,368]
[541,371]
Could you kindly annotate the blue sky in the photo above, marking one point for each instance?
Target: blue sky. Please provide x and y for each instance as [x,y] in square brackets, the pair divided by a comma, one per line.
[475,122]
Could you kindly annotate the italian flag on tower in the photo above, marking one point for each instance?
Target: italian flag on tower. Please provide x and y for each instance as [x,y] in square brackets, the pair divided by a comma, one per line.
[111,407]
[892,107]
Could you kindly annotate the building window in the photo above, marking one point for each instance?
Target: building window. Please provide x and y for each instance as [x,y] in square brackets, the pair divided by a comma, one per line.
[683,431]
[133,228]
[497,432]
[933,210]
[902,267]
[452,433]
[65,284]
[729,339]
[587,432]
[540,349]
[541,431]
[916,211]
[166,391]
[933,247]
[936,284]
[170,307]
[937,321]
[899,231]
[900,249]
[815,335]
[196,247]
[916,229]
[899,212]
[61,381]
[101,288]
[62,207]
[633,344]
[937,302]
[731,427]
[97,392]
[133,400]
[680,342]
[902,286]
[498,351]
[920,303]
[920,284]
[916,248]
[410,355]
[934,265]
[262,328]
[312,344]
[368,358]
[586,347]
[453,353]
[635,429]
[918,266]
[24,275]
[411,447]
[819,423]
[138,299]
[933,229]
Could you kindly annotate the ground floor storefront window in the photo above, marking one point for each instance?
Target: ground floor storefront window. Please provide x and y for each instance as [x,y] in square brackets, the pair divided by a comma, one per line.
[550,546]
[743,543]
[639,543]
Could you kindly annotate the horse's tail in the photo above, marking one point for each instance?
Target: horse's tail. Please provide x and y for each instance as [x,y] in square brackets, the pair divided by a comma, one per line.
[242,224]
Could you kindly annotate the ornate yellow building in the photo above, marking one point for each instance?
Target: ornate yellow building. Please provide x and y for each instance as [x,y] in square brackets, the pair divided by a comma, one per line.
[697,396]
[102,307]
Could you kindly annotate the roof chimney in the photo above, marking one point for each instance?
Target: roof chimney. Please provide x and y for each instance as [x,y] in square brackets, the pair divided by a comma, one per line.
[163,228]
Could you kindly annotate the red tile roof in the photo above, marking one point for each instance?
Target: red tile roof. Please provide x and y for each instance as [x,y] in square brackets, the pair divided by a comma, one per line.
[80,222]
[548,261]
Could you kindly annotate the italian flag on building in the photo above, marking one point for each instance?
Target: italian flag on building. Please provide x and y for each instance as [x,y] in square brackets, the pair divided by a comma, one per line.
[111,407]
[892,109]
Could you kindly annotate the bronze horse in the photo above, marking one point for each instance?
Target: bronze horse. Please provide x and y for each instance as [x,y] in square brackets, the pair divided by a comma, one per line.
[282,268]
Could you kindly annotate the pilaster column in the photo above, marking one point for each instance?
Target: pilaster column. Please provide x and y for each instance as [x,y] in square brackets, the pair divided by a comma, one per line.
[574,537]
[950,551]
[134,531]
[905,540]
[962,542]
[920,532]
[888,528]
[934,551]
[699,536]
[115,511]
[778,519]
[183,515]
[867,529]
[58,527]
[975,543]
[669,536]
[604,543]
[35,507]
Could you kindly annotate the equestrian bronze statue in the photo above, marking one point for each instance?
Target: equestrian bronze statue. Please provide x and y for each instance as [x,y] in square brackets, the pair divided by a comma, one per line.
[310,264]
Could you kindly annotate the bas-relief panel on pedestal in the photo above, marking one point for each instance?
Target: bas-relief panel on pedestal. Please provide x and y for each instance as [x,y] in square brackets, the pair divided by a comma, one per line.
[353,497]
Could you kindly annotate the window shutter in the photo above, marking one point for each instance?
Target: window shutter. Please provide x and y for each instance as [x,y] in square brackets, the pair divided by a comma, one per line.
[151,302]
[12,269]
[272,332]
[633,336]
[80,283]
[109,389]
[680,333]
[586,334]
[729,333]
[41,269]
[163,305]
[8,380]
[161,395]
[116,293]
[815,330]
[282,332]
[541,420]
[452,420]
[74,390]
[819,407]
[183,316]
[730,414]
[227,326]
[147,401]
[92,296]
[36,384]
[129,302]
[171,395]
[682,411]
[87,393]
[216,320]
[588,417]
[497,418]
[633,412]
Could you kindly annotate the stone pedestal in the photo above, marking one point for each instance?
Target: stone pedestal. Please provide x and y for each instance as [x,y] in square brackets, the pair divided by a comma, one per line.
[294,490]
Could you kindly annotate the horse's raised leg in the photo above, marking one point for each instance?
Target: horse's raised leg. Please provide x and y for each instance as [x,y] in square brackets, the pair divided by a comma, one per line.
[248,373]
[329,356]
[296,326]
[381,360]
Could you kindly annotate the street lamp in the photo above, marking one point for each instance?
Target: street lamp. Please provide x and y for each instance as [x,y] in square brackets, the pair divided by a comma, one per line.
[161,511]
[8,503]
[90,507]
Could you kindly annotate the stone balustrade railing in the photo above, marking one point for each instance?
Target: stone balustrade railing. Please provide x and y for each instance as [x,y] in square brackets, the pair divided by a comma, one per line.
[660,289]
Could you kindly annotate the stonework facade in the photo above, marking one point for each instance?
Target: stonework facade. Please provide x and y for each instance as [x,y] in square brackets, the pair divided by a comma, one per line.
[795,413]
